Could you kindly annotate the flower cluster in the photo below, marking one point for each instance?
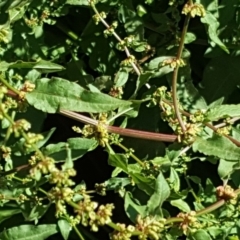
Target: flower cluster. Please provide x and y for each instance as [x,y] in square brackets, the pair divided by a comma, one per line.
[109,31]
[149,227]
[97,17]
[189,220]
[226,192]
[173,62]
[123,233]
[195,9]
[89,214]
[129,61]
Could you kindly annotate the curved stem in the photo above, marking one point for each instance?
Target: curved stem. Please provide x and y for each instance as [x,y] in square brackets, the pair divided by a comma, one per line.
[175,74]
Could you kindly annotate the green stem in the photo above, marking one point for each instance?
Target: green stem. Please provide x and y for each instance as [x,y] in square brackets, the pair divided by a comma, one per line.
[9,86]
[68,32]
[191,189]
[175,73]
[131,154]
[78,232]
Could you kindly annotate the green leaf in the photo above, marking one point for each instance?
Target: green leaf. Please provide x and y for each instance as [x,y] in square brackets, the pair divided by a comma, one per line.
[33,213]
[142,79]
[6,213]
[217,146]
[223,111]
[65,228]
[53,94]
[225,168]
[212,25]
[116,183]
[161,193]
[118,160]
[174,179]
[132,209]
[29,232]
[190,37]
[201,235]
[220,79]
[180,204]
[41,65]
[121,78]
[79,147]
[78,2]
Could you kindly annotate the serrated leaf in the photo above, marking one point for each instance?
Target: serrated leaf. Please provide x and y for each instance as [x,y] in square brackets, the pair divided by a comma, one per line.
[161,193]
[222,111]
[53,94]
[29,232]
[212,25]
[180,204]
[217,146]
[65,228]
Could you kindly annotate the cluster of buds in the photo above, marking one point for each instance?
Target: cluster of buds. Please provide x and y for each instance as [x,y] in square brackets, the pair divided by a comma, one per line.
[225,192]
[97,17]
[109,31]
[101,217]
[99,132]
[62,178]
[10,103]
[123,233]
[22,198]
[28,87]
[59,196]
[4,35]
[32,22]
[127,42]
[150,227]
[89,215]
[151,169]
[173,62]
[45,14]
[189,221]
[45,166]
[195,9]
[6,152]
[192,130]
[198,117]
[3,91]
[32,138]
[22,125]
[116,92]
[129,61]
[100,189]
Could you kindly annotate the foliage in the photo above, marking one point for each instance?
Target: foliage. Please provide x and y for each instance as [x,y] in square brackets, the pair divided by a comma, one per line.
[163,72]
